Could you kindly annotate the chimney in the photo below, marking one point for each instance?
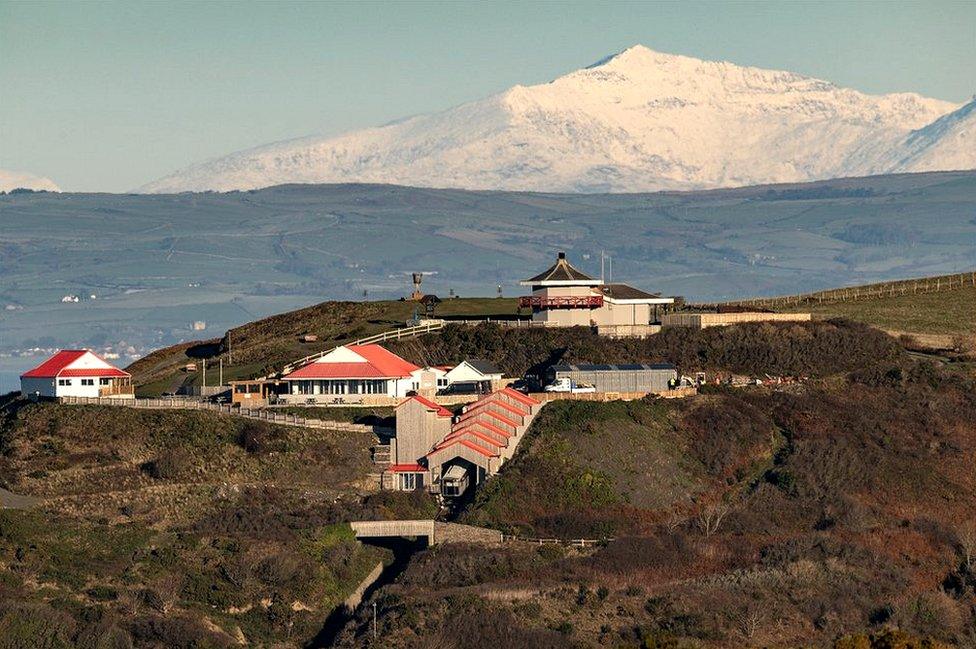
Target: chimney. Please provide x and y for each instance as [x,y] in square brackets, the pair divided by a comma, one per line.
[561,255]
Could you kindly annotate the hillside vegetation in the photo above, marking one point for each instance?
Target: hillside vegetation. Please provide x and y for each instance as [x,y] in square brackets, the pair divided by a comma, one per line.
[267,345]
[950,313]
[802,348]
[179,529]
[836,513]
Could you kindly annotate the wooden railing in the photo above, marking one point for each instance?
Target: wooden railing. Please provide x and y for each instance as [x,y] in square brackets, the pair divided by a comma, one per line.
[868,291]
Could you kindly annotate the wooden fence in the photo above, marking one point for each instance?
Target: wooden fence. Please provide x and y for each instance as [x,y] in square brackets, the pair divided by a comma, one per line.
[262,414]
[865,292]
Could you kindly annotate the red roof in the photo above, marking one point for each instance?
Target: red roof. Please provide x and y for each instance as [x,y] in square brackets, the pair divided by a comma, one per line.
[480,422]
[496,416]
[479,407]
[500,437]
[518,396]
[406,468]
[468,431]
[439,409]
[58,364]
[385,360]
[337,371]
[378,363]
[474,447]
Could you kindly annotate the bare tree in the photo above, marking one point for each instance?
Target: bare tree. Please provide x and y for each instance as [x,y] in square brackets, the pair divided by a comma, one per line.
[674,521]
[710,517]
[749,620]
[967,543]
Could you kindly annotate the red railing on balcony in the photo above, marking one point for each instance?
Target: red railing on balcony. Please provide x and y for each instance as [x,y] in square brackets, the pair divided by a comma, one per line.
[564,302]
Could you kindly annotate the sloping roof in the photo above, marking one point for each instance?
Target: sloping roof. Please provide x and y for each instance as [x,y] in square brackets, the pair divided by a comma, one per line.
[385,360]
[519,396]
[471,423]
[59,365]
[483,366]
[631,367]
[561,271]
[378,363]
[474,447]
[406,468]
[430,405]
[337,371]
[481,404]
[626,292]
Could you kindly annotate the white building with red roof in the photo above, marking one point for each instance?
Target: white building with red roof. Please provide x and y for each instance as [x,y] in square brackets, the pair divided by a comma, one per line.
[76,373]
[350,373]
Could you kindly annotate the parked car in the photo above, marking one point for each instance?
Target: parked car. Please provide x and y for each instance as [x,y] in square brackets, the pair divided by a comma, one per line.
[568,385]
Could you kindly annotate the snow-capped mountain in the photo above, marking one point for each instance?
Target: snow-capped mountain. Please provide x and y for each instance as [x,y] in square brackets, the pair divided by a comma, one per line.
[636,121]
[10,180]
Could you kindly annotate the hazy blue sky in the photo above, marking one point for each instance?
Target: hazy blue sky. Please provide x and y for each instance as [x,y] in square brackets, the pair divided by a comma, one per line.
[107,96]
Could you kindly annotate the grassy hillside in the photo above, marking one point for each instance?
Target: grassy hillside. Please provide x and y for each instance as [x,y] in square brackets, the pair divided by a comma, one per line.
[820,515]
[169,528]
[948,313]
[267,345]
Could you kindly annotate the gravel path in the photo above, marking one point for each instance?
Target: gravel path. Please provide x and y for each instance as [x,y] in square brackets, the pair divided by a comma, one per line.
[10,500]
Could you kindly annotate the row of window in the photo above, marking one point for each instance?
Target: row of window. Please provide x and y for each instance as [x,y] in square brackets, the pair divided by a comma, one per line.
[340,386]
[67,382]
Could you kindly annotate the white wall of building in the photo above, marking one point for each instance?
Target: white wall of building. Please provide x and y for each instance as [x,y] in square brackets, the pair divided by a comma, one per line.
[63,387]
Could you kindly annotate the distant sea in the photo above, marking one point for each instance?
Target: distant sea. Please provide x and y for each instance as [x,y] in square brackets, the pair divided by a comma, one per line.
[10,371]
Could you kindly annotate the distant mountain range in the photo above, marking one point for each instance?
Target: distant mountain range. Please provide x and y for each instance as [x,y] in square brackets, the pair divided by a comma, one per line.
[639,120]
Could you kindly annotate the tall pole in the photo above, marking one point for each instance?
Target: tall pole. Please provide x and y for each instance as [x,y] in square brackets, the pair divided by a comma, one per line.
[220,371]
[204,380]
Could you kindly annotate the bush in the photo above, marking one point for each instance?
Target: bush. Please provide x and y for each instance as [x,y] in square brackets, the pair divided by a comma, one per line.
[170,464]
[261,437]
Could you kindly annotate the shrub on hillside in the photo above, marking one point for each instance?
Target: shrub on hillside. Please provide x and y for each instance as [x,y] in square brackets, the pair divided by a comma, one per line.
[170,464]
[724,431]
[817,348]
[262,437]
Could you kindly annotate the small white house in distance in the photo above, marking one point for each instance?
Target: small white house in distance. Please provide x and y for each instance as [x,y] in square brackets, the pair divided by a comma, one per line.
[474,375]
[76,373]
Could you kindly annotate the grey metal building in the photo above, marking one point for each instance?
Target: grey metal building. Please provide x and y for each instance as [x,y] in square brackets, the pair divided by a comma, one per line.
[618,378]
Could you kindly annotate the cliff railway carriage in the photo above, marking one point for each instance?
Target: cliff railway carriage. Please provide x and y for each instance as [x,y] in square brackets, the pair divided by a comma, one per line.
[563,296]
[76,373]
